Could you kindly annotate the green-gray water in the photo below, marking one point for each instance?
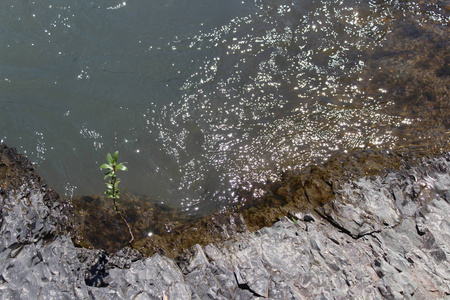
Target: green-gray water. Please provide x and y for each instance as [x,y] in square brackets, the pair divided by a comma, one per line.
[202,97]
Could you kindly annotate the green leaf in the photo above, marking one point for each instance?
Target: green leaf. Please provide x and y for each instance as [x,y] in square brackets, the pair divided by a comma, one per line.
[109,158]
[106,166]
[121,167]
[111,171]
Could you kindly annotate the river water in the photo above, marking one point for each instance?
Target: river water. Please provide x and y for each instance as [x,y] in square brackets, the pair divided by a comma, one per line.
[201,97]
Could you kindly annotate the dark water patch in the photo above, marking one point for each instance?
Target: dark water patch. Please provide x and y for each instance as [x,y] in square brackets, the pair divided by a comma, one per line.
[101,227]
[212,96]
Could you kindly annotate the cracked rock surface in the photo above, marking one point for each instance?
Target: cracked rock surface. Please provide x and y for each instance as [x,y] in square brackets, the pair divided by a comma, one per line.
[379,238]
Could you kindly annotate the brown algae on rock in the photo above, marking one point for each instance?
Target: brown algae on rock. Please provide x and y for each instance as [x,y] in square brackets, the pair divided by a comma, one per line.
[167,231]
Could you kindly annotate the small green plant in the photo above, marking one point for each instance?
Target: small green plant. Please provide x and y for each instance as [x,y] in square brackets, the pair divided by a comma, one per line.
[112,167]
[112,192]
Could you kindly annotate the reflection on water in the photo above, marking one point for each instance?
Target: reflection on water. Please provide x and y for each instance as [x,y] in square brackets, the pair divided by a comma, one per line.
[200,97]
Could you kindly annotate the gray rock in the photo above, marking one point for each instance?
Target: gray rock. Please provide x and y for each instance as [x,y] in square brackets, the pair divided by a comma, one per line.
[365,206]
[381,238]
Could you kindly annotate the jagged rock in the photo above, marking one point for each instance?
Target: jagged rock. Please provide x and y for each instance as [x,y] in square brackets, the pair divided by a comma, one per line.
[381,238]
[364,207]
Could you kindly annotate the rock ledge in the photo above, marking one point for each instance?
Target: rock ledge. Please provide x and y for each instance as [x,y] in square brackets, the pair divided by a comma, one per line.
[379,237]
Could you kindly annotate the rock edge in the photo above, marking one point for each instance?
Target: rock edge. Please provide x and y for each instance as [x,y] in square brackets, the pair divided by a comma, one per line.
[380,237]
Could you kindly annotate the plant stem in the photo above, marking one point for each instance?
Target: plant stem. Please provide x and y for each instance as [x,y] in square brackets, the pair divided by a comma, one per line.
[129,228]
[113,192]
[113,181]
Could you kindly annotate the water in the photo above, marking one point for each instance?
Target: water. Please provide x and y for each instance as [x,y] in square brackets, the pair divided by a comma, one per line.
[200,97]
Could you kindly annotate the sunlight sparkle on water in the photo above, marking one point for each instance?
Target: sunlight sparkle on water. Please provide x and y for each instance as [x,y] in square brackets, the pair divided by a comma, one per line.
[200,106]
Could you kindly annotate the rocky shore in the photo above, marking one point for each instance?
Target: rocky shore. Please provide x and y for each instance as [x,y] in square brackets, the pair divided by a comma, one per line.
[382,236]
